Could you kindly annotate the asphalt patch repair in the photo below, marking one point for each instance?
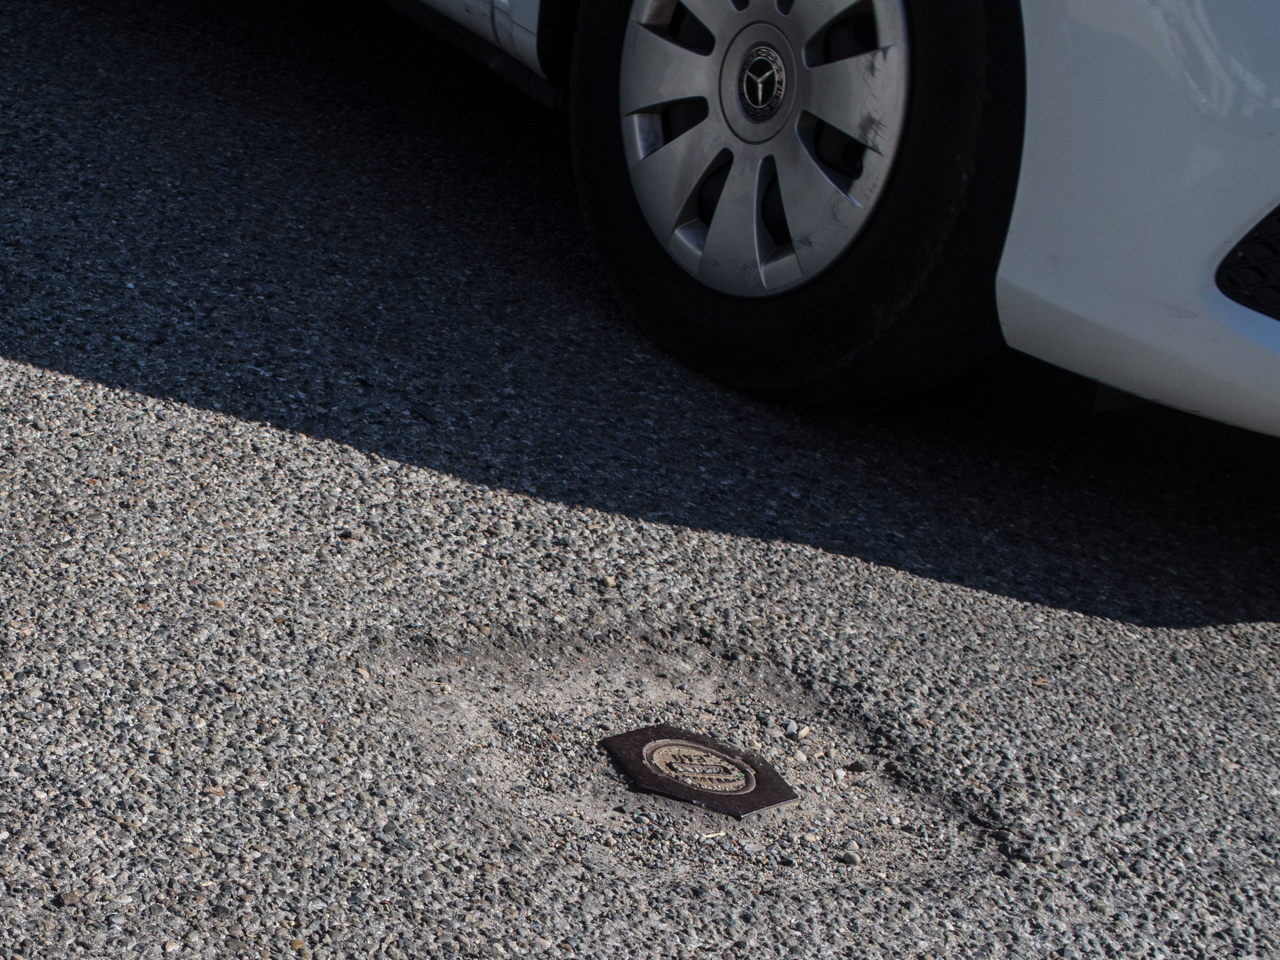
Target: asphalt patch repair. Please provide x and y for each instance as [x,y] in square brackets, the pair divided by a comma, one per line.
[510,743]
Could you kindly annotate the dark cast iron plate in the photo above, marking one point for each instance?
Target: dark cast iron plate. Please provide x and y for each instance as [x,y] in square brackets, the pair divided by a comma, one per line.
[689,766]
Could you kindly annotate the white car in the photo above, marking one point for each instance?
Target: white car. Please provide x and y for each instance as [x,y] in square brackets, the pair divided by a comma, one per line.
[817,198]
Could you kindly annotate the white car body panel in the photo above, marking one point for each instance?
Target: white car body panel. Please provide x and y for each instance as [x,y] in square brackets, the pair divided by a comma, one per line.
[475,15]
[516,24]
[511,25]
[1152,148]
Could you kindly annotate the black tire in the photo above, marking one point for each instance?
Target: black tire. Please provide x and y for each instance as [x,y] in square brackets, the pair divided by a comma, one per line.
[912,302]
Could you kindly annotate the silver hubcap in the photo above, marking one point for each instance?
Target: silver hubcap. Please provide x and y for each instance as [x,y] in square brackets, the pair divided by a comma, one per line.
[761,133]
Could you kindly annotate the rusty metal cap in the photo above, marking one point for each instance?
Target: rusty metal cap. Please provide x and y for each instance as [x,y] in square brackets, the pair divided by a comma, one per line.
[698,769]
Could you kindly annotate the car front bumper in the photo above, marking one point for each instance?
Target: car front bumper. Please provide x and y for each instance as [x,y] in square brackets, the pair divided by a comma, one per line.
[1152,148]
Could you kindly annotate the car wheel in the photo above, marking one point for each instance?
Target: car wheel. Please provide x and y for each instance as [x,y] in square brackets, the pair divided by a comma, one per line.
[802,197]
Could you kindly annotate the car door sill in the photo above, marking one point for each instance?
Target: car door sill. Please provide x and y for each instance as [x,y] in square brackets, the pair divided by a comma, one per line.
[497,60]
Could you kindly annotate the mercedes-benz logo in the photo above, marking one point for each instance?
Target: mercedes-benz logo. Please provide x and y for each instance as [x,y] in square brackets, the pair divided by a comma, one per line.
[762,83]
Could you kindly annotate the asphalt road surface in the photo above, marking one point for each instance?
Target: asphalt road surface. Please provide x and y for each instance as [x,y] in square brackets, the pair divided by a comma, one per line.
[341,513]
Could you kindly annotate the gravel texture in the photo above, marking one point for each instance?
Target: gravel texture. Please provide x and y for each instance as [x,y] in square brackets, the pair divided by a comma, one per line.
[341,514]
